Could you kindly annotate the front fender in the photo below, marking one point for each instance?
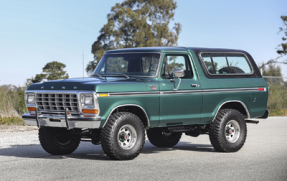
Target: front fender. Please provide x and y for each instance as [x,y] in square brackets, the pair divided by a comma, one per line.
[149,103]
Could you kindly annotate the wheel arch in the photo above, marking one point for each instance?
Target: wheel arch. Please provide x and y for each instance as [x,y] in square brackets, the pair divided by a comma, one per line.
[132,108]
[234,104]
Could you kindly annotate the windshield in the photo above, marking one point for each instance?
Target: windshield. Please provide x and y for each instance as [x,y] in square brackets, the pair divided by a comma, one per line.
[137,64]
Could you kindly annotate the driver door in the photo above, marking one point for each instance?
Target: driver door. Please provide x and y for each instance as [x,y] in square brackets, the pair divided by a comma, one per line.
[180,106]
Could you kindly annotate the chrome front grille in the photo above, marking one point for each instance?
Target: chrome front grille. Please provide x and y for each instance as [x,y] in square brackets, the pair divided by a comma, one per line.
[57,102]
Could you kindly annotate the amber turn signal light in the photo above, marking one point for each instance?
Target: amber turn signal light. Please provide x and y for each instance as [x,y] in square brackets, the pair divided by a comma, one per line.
[90,111]
[31,109]
[103,95]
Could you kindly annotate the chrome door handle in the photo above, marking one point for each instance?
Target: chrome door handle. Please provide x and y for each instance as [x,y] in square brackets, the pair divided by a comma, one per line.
[194,85]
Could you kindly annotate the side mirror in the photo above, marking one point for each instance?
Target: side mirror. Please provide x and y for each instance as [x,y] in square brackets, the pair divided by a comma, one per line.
[178,73]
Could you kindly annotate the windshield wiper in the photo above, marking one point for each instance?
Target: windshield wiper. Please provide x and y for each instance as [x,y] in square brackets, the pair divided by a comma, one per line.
[119,74]
[98,75]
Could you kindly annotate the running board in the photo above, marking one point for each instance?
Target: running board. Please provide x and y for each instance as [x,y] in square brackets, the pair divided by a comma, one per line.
[252,121]
[179,128]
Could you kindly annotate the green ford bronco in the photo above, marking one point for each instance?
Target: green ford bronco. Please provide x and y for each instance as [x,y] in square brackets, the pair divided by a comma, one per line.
[165,91]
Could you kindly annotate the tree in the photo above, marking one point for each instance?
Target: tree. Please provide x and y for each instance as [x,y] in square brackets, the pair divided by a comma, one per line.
[282,50]
[136,23]
[275,73]
[55,70]
[283,46]
[51,71]
[38,78]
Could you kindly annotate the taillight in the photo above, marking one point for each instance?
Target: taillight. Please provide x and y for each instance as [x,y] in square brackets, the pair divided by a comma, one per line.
[261,89]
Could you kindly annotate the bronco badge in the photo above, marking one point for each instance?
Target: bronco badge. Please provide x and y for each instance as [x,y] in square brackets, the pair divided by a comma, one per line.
[153,87]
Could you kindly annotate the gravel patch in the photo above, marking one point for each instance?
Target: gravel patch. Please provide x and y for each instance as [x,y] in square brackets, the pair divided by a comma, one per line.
[11,136]
[16,128]
[8,142]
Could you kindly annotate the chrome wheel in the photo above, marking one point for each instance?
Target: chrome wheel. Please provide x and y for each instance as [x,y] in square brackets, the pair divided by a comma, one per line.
[232,131]
[127,137]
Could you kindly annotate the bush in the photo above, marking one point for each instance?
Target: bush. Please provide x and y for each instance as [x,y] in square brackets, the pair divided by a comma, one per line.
[12,105]
[13,120]
[12,101]
[277,101]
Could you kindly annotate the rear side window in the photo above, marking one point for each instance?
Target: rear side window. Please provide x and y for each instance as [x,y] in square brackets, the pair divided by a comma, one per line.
[218,63]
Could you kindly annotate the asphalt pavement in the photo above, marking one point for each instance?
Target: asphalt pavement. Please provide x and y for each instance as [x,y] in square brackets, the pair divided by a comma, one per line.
[263,157]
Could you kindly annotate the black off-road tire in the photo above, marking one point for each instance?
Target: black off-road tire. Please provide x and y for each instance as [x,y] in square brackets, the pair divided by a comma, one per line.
[54,143]
[161,137]
[218,131]
[110,136]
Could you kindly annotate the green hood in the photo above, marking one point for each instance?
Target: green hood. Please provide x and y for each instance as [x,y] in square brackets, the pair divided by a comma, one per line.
[94,84]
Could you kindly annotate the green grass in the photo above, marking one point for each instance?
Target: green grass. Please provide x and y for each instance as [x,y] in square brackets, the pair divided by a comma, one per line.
[12,120]
[277,100]
[278,112]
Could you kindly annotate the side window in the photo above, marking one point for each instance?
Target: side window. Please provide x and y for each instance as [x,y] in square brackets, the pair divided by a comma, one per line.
[220,63]
[238,64]
[208,62]
[217,63]
[172,62]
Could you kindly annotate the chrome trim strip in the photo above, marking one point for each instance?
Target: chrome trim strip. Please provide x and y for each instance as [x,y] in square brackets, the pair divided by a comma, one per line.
[229,90]
[133,93]
[248,115]
[181,92]
[148,121]
[250,65]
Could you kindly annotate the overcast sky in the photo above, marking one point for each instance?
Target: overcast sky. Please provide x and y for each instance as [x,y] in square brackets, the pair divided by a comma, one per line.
[33,33]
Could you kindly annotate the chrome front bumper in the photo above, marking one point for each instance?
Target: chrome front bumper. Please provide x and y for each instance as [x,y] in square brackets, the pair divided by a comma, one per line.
[62,121]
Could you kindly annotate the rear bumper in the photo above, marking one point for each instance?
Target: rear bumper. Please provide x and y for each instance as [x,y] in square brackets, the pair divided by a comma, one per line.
[62,121]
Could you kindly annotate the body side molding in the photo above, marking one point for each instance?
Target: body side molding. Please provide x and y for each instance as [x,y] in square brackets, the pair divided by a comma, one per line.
[181,92]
